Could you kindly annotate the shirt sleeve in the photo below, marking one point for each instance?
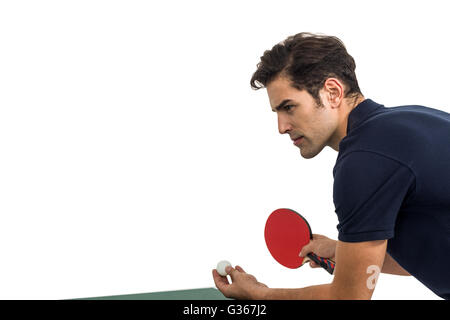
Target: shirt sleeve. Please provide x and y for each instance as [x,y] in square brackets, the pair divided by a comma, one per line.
[369,190]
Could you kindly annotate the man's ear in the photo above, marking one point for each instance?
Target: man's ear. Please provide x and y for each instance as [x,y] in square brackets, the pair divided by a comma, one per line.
[333,92]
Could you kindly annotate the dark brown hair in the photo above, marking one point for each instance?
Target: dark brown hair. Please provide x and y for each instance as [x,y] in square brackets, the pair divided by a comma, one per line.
[308,60]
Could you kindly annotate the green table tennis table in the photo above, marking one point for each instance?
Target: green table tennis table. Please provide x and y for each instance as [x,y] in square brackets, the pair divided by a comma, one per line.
[192,294]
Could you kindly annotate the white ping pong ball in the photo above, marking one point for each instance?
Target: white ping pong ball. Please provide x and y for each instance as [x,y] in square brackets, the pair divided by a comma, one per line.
[221,267]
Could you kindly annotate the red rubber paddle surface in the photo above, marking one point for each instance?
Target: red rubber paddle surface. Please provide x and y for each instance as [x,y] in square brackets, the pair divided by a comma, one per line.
[286,232]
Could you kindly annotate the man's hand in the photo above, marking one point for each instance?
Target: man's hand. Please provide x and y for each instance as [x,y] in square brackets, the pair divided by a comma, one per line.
[243,286]
[321,246]
[357,268]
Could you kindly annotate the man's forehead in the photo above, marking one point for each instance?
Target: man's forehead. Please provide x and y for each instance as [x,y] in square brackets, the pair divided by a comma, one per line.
[279,84]
[279,90]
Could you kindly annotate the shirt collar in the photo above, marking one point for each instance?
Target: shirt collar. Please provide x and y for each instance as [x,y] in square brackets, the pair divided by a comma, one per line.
[361,112]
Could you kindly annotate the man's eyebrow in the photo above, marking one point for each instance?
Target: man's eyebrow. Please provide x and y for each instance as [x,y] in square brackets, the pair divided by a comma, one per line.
[281,105]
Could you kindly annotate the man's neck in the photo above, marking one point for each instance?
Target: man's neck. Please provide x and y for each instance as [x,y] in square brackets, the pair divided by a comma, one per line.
[341,132]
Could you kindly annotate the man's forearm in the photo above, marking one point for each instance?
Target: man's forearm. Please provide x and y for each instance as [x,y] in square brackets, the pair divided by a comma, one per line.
[319,292]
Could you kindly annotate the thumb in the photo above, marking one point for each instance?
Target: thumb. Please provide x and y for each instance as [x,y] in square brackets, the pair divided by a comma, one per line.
[239,268]
[229,270]
[232,272]
[307,249]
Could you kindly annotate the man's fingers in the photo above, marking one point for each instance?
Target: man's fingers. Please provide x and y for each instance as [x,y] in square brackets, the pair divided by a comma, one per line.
[311,246]
[238,268]
[219,280]
[231,272]
[306,249]
[221,283]
[217,277]
[235,272]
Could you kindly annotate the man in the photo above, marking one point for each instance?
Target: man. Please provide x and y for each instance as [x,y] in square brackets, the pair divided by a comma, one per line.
[391,178]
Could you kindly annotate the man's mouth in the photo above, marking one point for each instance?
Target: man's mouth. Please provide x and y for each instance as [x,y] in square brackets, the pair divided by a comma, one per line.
[298,140]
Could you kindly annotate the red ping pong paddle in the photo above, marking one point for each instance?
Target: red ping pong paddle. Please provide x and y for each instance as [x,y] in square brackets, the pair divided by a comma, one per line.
[286,233]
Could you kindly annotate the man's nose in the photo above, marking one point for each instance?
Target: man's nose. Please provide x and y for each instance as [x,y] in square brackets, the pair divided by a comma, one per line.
[283,125]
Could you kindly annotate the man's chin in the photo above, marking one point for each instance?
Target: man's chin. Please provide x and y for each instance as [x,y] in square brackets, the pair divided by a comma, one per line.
[308,154]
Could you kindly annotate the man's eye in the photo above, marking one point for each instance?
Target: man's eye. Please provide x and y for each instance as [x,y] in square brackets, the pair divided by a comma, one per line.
[288,107]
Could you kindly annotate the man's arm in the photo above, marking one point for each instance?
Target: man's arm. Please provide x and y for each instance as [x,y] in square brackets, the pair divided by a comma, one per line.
[326,248]
[357,267]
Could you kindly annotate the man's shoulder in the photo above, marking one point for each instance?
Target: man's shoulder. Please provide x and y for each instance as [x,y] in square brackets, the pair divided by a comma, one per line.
[398,132]
[405,117]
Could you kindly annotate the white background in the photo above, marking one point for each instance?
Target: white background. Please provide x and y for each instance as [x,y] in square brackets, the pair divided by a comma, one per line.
[134,155]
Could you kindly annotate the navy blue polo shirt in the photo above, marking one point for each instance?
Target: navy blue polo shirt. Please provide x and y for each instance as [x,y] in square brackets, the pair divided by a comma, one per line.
[392,181]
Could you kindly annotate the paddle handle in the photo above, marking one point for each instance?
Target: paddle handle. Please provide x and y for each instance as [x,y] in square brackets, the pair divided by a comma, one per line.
[325,263]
